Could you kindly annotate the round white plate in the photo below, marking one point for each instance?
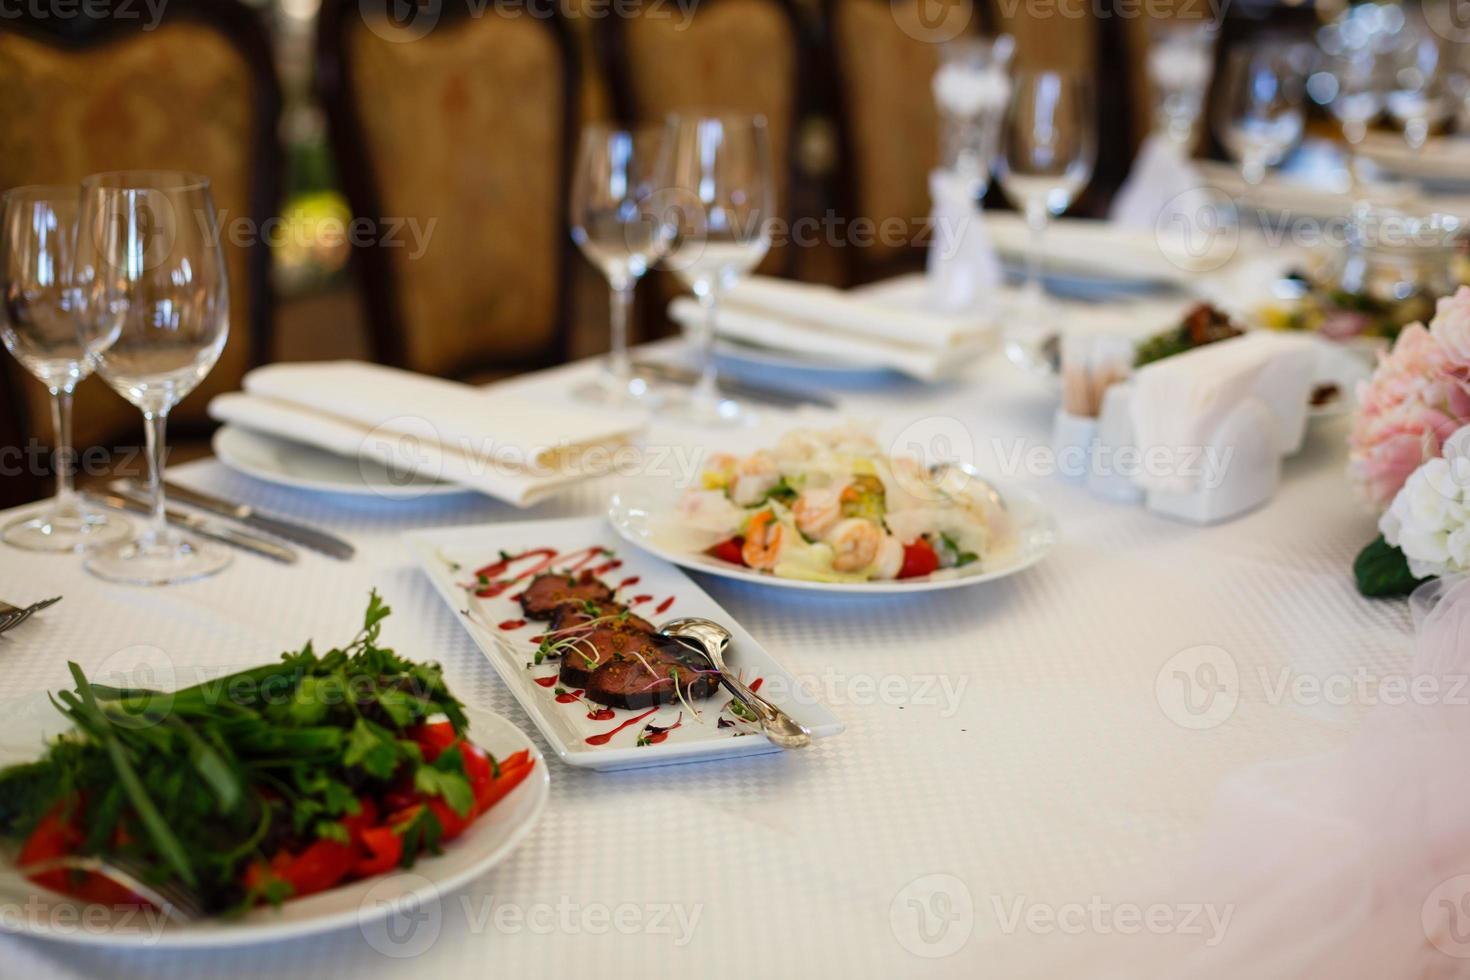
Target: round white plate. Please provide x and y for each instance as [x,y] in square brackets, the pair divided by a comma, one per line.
[412,898]
[633,513]
[294,464]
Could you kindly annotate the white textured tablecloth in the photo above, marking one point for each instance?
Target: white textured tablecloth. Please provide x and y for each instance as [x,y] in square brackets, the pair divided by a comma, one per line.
[1011,738]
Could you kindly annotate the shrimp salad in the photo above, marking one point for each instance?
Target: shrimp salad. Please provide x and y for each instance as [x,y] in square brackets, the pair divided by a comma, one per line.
[830,506]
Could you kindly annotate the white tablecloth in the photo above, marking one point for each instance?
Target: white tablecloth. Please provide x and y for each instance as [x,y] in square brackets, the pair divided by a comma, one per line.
[1026,741]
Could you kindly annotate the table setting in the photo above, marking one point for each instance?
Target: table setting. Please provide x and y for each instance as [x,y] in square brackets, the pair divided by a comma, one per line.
[1041,612]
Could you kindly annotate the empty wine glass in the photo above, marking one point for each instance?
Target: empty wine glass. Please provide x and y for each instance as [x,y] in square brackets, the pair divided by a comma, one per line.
[1420,94]
[1048,148]
[38,325]
[1181,57]
[616,222]
[723,202]
[154,314]
[1259,112]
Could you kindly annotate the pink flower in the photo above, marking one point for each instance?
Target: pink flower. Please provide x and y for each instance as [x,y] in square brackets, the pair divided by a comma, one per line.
[1451,327]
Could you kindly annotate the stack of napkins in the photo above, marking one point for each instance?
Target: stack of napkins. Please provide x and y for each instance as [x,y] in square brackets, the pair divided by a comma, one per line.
[820,321]
[501,445]
[1212,424]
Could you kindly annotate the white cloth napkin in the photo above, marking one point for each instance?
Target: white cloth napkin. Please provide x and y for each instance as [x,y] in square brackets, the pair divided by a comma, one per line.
[1162,186]
[503,446]
[1181,403]
[826,322]
[1284,194]
[1102,248]
[962,266]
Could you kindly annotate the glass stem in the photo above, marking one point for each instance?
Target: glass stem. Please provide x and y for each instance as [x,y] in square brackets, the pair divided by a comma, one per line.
[705,390]
[1035,293]
[154,423]
[61,425]
[619,365]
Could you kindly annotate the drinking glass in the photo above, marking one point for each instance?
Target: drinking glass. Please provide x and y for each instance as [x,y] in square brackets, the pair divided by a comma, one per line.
[1357,90]
[38,326]
[724,199]
[1259,114]
[620,178]
[1420,94]
[154,315]
[1048,148]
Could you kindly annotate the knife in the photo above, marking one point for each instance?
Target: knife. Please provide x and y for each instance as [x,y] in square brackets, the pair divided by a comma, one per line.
[250,517]
[199,525]
[750,391]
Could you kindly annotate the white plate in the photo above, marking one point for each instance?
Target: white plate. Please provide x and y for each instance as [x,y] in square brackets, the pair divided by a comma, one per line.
[754,356]
[292,464]
[363,904]
[450,556]
[633,512]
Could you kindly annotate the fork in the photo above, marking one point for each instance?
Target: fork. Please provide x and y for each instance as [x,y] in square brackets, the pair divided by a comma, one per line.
[13,616]
[174,900]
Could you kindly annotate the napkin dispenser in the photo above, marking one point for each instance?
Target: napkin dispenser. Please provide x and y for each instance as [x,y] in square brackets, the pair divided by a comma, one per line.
[1213,425]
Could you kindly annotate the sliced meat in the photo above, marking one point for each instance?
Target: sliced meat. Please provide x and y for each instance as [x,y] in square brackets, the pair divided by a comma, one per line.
[570,615]
[625,681]
[546,592]
[601,645]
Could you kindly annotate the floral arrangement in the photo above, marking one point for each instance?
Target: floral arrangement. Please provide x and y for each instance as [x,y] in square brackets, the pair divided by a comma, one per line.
[1410,453]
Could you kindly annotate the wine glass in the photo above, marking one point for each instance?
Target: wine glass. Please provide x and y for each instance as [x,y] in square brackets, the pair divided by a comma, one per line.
[154,314]
[723,201]
[38,326]
[1048,148]
[1259,113]
[1420,94]
[617,225]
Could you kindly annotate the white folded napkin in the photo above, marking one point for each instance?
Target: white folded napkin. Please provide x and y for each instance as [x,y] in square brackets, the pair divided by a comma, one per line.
[1284,194]
[1102,248]
[1181,403]
[1163,184]
[504,446]
[962,266]
[845,327]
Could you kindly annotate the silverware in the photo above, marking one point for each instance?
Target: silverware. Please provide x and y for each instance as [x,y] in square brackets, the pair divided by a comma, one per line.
[173,899]
[710,638]
[13,616]
[199,525]
[296,533]
[750,391]
[972,476]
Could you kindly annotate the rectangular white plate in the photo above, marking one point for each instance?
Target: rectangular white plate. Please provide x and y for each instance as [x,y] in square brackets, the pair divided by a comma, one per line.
[450,557]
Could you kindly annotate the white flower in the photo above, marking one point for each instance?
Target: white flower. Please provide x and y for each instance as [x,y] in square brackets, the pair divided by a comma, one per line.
[1429,519]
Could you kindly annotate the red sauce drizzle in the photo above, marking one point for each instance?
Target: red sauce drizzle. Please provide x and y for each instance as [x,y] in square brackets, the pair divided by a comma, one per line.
[606,737]
[638,599]
[496,571]
[627,582]
[537,640]
[512,624]
[663,607]
[600,714]
[546,681]
[755,685]
[568,698]
[606,567]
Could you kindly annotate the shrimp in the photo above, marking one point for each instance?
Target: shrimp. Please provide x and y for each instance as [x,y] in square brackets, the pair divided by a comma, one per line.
[817,510]
[856,544]
[764,536]
[755,476]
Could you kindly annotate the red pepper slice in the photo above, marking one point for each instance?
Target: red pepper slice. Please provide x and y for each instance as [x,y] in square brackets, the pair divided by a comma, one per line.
[433,739]
[53,838]
[323,864]
[730,550]
[366,816]
[450,822]
[918,559]
[512,772]
[385,849]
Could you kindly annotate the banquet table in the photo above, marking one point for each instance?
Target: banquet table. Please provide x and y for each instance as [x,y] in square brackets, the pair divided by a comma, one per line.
[1027,743]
